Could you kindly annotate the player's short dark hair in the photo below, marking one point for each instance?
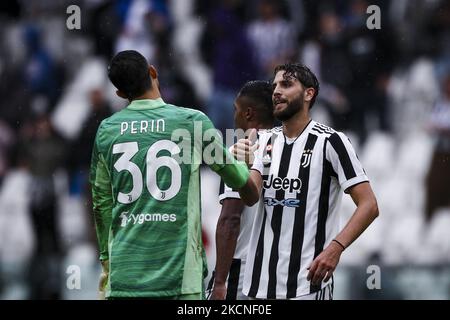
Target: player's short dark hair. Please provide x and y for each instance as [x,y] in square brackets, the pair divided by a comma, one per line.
[128,72]
[259,93]
[303,74]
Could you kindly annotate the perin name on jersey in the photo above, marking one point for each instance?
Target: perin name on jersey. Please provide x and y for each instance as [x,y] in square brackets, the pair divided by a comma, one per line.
[143,126]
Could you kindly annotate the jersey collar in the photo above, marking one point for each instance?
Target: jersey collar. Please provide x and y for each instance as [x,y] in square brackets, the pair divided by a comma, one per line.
[145,104]
[304,131]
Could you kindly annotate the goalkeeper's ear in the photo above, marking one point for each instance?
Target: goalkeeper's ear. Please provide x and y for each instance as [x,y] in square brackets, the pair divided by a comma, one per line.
[121,94]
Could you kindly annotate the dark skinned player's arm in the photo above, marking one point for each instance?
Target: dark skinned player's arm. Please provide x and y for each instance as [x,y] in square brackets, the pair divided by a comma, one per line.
[227,232]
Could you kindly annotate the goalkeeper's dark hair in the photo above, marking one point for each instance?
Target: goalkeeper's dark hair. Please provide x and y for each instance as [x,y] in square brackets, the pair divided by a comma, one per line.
[303,74]
[128,72]
[258,93]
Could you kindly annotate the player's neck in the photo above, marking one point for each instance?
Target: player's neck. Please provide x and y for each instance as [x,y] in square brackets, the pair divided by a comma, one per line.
[259,126]
[293,127]
[152,95]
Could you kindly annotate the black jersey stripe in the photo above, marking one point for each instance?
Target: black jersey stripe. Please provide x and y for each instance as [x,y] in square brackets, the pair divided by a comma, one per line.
[222,187]
[322,130]
[257,264]
[322,214]
[299,225]
[268,151]
[318,130]
[233,279]
[332,288]
[210,285]
[324,126]
[277,215]
[344,158]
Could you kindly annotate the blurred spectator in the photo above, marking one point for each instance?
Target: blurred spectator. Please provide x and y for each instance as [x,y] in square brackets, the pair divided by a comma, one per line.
[11,8]
[104,25]
[6,142]
[174,86]
[272,36]
[439,32]
[160,23]
[409,20]
[81,151]
[41,72]
[327,57]
[368,75]
[231,58]
[353,64]
[15,97]
[43,154]
[438,179]
[136,34]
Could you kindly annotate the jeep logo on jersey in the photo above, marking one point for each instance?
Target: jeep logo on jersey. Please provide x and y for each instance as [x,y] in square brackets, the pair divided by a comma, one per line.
[284,202]
[286,184]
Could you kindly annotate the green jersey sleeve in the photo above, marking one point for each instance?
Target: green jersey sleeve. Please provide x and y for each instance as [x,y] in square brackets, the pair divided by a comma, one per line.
[102,198]
[234,173]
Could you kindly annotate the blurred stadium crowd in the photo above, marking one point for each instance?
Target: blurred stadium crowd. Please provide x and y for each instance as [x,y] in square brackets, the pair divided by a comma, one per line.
[389,89]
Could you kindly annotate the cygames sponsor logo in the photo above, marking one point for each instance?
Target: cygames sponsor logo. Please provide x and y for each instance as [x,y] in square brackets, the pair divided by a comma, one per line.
[146,217]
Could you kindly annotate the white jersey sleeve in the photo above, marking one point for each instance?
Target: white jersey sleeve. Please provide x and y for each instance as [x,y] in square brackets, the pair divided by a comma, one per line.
[227,193]
[263,151]
[344,161]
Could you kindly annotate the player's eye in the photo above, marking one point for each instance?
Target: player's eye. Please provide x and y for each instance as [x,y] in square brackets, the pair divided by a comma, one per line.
[286,83]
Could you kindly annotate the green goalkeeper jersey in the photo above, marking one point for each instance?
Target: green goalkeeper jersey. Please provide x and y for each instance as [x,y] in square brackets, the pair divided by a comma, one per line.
[146,197]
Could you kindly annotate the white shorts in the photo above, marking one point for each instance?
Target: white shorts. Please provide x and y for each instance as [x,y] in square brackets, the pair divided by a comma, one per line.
[326,293]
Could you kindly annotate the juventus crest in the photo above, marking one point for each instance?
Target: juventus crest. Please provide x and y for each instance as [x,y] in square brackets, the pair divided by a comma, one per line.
[306,158]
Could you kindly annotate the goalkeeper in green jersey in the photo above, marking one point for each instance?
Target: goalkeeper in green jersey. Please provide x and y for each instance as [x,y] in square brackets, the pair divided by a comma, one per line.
[146,188]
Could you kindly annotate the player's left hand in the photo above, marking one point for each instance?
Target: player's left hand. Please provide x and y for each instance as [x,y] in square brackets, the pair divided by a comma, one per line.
[103,279]
[219,292]
[244,149]
[323,266]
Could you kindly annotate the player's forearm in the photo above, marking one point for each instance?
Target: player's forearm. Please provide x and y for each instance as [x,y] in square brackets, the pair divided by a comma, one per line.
[227,233]
[252,189]
[102,229]
[364,215]
[102,201]
[102,210]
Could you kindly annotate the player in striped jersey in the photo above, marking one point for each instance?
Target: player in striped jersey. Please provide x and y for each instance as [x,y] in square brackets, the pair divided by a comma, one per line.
[252,109]
[296,243]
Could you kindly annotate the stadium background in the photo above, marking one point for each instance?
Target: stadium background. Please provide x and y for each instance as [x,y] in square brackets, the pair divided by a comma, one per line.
[379,86]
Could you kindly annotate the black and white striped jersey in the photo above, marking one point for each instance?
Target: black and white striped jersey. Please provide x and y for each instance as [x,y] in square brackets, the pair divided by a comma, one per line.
[247,216]
[297,216]
[235,277]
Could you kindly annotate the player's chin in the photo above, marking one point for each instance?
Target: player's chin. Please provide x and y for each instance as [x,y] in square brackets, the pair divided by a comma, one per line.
[280,106]
[280,109]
